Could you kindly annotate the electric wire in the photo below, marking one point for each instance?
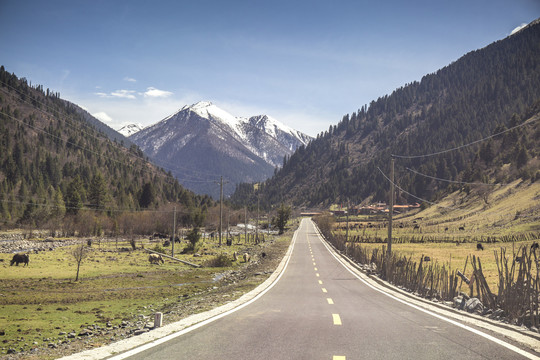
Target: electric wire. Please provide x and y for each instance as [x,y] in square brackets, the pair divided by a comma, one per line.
[170,166]
[530,121]
[454,181]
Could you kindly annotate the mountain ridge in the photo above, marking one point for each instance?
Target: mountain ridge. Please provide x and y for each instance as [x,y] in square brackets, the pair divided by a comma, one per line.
[191,141]
[479,94]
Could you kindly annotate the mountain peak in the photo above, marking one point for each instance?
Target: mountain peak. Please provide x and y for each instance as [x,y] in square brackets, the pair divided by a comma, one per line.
[198,105]
[130,129]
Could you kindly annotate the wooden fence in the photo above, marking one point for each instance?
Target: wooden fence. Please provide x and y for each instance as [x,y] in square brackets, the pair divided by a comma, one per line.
[517,298]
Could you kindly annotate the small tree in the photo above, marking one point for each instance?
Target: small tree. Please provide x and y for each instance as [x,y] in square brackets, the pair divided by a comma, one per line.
[79,254]
[283,215]
[193,237]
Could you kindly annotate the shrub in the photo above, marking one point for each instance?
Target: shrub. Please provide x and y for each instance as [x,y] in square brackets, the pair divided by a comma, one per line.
[221,260]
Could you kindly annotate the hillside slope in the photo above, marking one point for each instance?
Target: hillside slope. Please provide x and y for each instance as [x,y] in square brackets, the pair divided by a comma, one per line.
[482,93]
[55,163]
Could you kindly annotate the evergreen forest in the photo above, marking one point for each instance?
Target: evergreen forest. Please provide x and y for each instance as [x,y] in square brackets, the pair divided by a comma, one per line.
[59,172]
[432,127]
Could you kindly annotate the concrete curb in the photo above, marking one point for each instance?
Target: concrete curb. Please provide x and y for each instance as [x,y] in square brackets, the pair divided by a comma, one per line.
[167,332]
[526,338]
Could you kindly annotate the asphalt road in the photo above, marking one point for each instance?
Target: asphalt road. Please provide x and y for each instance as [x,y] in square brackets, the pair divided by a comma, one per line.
[319,310]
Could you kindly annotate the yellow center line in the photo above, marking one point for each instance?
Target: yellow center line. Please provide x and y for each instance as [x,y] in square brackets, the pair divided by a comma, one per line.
[339,357]
[315,269]
[320,282]
[317,275]
[314,264]
[330,301]
[337,319]
[324,290]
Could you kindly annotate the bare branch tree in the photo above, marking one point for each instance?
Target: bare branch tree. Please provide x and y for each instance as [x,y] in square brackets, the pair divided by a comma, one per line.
[79,254]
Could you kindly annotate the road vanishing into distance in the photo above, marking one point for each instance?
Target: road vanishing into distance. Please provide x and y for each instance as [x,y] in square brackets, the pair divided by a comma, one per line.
[320,310]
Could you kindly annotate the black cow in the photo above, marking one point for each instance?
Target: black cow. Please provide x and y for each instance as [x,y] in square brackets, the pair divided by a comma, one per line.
[20,258]
[479,247]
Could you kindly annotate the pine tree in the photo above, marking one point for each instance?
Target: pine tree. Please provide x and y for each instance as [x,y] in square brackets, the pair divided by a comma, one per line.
[97,193]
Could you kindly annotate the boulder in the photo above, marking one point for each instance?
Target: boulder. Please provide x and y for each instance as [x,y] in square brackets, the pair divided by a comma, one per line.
[473,305]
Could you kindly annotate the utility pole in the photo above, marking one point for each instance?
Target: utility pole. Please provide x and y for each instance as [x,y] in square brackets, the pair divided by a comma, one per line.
[257,227]
[173,231]
[246,225]
[220,208]
[347,229]
[228,223]
[390,213]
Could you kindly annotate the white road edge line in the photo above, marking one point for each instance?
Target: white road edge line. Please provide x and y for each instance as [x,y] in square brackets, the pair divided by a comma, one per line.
[90,354]
[202,323]
[453,322]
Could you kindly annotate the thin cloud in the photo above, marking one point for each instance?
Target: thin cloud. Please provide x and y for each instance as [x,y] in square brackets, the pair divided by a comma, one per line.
[156,93]
[129,79]
[123,94]
[103,117]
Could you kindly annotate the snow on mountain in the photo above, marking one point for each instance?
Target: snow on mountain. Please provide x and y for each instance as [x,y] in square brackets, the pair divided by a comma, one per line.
[130,129]
[201,140]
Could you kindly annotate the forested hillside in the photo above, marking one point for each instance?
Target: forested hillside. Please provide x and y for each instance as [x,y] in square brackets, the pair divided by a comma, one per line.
[56,166]
[483,93]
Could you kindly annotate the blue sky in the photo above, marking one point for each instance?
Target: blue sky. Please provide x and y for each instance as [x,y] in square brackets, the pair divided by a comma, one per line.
[305,63]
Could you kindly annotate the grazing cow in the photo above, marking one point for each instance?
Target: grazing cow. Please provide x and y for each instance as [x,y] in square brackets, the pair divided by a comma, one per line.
[246,257]
[518,259]
[446,228]
[155,259]
[20,258]
[479,247]
[534,246]
[427,258]
[462,228]
[416,227]
[166,243]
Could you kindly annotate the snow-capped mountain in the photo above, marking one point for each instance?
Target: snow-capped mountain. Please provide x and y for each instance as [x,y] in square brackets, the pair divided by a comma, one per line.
[202,142]
[130,129]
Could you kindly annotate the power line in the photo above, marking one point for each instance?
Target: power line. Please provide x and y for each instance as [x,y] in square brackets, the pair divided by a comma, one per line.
[530,121]
[454,181]
[170,166]
[86,207]
[447,207]
[414,196]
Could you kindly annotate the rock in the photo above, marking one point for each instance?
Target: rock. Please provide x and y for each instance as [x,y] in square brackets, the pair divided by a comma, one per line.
[458,302]
[11,351]
[62,333]
[85,332]
[72,335]
[474,305]
[52,345]
[140,331]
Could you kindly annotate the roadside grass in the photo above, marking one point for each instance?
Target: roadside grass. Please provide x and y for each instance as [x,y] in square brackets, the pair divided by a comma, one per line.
[511,210]
[454,257]
[41,302]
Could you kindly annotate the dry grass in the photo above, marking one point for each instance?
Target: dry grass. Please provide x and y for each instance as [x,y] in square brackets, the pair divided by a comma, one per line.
[510,210]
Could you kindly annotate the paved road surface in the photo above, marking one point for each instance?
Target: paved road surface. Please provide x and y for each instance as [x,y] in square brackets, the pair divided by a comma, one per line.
[319,310]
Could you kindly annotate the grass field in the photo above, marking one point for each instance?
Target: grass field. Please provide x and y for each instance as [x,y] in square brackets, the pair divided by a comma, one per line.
[512,210]
[40,303]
